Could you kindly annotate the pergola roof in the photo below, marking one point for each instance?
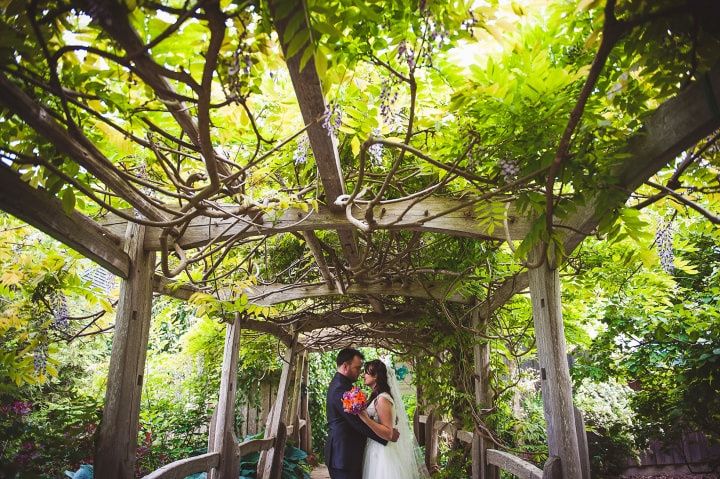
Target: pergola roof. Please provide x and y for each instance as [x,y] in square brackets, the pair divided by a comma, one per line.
[367,246]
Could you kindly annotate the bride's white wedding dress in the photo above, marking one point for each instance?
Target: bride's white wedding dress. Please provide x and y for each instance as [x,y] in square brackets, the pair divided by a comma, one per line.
[397,460]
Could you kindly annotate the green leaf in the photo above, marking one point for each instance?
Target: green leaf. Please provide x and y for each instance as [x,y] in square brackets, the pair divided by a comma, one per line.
[297,43]
[307,55]
[68,200]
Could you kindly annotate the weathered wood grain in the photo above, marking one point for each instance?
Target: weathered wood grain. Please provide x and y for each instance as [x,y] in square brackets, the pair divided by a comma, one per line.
[467,222]
[223,440]
[514,465]
[483,396]
[272,294]
[117,436]
[256,445]
[275,419]
[554,371]
[184,467]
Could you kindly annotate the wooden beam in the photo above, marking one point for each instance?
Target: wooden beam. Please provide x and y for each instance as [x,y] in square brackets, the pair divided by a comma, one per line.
[675,126]
[272,294]
[255,445]
[39,209]
[223,439]
[117,436]
[83,152]
[278,452]
[310,97]
[467,221]
[276,294]
[185,467]
[514,465]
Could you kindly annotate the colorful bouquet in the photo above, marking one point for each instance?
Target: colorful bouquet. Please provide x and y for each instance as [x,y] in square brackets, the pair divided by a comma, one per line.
[354,400]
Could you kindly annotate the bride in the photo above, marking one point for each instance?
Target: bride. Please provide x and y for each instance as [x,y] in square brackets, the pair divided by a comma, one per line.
[385,411]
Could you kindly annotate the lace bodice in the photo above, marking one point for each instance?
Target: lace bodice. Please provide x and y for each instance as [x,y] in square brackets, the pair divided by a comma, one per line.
[372,407]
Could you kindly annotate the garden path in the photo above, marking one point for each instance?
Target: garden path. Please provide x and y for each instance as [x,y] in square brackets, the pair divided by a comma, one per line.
[320,472]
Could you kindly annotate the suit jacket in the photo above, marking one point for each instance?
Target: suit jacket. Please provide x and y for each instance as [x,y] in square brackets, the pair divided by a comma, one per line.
[345,446]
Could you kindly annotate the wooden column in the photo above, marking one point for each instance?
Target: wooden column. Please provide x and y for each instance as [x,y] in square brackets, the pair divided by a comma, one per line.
[582,443]
[306,435]
[292,415]
[554,370]
[222,438]
[275,418]
[483,398]
[418,427]
[431,442]
[117,437]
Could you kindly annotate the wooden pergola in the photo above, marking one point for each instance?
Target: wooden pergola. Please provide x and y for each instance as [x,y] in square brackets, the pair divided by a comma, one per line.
[144,245]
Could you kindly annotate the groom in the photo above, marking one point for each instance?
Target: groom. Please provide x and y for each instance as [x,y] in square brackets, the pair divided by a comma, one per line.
[345,445]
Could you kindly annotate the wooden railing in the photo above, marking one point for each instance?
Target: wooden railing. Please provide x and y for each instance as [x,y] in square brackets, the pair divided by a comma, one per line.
[185,467]
[191,465]
[492,457]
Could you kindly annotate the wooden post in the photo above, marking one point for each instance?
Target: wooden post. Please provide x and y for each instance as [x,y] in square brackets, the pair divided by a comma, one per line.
[277,414]
[431,442]
[306,436]
[252,416]
[117,437]
[291,415]
[223,439]
[265,406]
[276,463]
[418,427]
[554,370]
[582,443]
[483,398]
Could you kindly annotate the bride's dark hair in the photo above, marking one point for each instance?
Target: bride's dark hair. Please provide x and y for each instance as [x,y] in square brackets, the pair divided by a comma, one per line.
[378,370]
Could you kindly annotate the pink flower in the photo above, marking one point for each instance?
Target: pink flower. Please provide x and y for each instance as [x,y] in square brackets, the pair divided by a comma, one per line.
[21,408]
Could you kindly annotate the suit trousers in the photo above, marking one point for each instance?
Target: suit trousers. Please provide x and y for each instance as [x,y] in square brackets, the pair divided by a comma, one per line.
[344,473]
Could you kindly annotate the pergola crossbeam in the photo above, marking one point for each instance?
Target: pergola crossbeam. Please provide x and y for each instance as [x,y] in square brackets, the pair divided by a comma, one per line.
[278,293]
[75,230]
[465,220]
[675,126]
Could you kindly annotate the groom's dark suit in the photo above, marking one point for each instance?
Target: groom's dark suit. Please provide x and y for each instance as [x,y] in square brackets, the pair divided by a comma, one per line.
[345,445]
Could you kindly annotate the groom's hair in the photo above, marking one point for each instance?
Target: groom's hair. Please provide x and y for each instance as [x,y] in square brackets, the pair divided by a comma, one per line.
[346,355]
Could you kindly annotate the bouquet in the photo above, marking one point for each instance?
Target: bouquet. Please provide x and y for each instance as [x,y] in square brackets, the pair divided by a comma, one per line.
[354,400]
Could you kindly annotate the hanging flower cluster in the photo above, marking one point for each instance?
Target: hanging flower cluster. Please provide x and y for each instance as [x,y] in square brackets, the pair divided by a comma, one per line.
[301,151]
[509,169]
[388,97]
[470,23]
[405,51]
[60,311]
[664,244]
[376,149]
[332,119]
[40,359]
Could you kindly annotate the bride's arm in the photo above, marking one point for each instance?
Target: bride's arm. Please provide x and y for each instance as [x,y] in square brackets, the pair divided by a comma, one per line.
[384,428]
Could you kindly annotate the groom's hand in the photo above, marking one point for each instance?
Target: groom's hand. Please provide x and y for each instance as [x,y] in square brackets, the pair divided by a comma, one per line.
[395,435]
